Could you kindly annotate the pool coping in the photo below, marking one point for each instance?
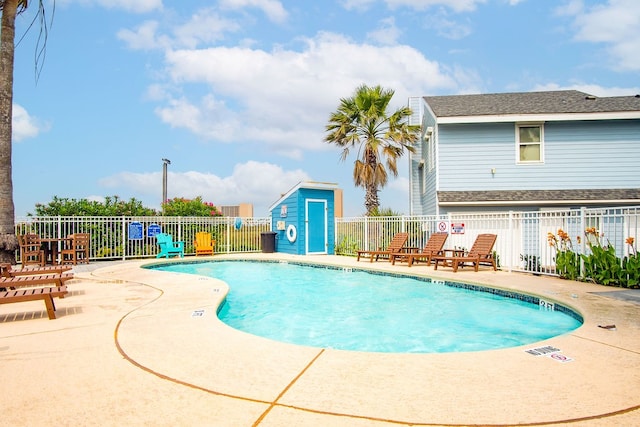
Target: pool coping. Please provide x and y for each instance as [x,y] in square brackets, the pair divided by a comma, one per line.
[256,381]
[353,403]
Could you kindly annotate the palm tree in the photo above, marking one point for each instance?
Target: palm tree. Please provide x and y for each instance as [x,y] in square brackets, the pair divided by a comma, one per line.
[361,121]
[10,9]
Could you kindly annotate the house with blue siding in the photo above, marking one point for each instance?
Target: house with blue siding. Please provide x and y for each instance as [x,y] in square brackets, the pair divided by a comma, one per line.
[525,151]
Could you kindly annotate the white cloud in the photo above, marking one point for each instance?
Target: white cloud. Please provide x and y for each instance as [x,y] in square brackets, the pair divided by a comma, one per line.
[571,7]
[386,34]
[144,37]
[25,126]
[137,6]
[205,26]
[253,182]
[283,98]
[272,8]
[456,5]
[616,25]
[447,27]
[357,4]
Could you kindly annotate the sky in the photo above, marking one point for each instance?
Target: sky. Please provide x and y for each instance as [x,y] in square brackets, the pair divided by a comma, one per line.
[237,93]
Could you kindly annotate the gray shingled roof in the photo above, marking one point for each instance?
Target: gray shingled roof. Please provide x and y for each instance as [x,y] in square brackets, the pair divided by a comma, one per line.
[551,196]
[563,101]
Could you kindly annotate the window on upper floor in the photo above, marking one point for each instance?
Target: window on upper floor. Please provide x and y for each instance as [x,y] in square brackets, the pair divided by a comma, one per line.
[529,143]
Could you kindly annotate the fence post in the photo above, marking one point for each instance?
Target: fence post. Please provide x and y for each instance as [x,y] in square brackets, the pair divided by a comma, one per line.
[583,226]
[124,239]
[59,227]
[228,236]
[366,233]
[510,242]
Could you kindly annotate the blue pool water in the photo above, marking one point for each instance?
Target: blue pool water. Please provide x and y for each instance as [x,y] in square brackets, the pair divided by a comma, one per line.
[356,310]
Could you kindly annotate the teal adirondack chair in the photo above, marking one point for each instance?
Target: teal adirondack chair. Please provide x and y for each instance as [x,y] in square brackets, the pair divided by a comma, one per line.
[168,247]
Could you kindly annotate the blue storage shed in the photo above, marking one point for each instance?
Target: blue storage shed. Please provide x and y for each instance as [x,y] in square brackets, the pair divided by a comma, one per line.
[304,219]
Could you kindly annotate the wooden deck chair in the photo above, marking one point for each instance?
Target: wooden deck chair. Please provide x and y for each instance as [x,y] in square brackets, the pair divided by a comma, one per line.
[35,280]
[433,247]
[480,253]
[395,246]
[45,294]
[7,270]
[203,243]
[31,251]
[168,247]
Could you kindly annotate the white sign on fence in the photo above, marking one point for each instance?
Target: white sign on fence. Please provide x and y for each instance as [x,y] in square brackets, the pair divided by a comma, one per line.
[457,228]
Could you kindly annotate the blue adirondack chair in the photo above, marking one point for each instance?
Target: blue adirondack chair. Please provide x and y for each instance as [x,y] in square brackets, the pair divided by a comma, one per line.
[168,247]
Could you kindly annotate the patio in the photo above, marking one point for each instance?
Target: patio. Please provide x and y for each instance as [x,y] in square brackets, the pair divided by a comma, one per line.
[127,349]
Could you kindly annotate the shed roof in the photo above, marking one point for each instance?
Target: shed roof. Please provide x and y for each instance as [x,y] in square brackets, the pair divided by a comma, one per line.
[304,184]
[522,103]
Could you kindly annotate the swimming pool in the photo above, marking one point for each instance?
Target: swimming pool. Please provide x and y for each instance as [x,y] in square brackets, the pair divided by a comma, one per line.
[356,310]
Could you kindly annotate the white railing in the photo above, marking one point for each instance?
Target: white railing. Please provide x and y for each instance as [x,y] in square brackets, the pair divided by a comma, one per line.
[115,237]
[522,243]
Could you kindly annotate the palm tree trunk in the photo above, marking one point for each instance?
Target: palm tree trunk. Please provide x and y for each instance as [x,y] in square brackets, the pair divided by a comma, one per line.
[371,200]
[8,240]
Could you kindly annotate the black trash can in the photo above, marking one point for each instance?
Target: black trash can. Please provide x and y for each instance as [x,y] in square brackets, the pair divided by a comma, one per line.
[268,242]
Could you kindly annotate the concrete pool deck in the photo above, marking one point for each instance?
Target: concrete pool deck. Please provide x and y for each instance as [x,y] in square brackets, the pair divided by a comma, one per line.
[133,346]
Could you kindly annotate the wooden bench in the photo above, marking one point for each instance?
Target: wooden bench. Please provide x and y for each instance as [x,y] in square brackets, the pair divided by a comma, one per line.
[46,294]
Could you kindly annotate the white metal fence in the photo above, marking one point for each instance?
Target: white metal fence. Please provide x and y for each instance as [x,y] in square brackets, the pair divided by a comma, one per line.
[116,237]
[522,243]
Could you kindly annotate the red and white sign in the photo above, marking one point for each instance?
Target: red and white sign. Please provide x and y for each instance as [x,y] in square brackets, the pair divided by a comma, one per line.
[457,228]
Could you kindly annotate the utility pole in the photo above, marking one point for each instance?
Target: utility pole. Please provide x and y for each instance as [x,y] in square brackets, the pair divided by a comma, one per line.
[165,162]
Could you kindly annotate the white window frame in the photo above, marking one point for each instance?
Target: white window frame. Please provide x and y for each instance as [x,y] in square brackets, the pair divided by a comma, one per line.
[518,144]
[432,153]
